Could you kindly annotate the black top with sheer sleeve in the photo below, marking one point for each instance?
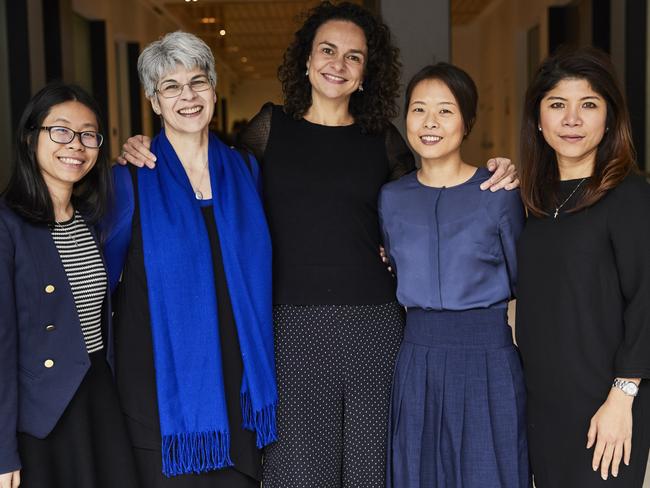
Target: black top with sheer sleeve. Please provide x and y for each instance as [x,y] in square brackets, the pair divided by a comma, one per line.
[320,186]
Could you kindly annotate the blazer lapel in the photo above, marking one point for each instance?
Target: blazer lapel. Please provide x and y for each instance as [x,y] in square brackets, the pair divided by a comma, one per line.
[52,274]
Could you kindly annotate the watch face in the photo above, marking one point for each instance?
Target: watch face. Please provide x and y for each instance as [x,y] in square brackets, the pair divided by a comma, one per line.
[630,389]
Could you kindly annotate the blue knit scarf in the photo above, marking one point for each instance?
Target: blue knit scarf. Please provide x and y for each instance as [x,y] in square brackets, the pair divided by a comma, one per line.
[183,305]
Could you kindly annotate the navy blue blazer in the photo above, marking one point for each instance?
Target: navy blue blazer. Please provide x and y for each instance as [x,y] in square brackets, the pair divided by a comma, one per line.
[43,357]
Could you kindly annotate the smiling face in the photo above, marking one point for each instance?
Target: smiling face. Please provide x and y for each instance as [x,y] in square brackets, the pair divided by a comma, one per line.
[434,124]
[573,120]
[190,111]
[62,165]
[337,60]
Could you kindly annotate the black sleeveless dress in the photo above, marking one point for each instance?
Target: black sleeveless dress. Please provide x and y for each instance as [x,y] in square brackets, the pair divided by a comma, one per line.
[136,379]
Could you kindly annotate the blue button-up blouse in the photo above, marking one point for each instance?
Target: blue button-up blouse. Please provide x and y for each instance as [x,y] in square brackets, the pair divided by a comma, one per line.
[451,248]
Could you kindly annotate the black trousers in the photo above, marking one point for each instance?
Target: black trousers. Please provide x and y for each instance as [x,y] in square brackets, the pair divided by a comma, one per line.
[334,367]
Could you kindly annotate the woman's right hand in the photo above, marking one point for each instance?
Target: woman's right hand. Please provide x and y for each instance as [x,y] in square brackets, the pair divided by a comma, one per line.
[10,480]
[136,151]
[610,431]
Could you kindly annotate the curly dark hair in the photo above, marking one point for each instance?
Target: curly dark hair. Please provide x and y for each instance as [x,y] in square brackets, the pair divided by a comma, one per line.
[373,108]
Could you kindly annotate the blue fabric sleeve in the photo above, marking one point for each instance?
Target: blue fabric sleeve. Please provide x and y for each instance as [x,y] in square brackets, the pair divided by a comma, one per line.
[117,225]
[9,460]
[511,224]
[255,171]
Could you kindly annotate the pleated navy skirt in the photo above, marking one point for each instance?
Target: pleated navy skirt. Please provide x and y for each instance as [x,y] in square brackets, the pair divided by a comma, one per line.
[458,404]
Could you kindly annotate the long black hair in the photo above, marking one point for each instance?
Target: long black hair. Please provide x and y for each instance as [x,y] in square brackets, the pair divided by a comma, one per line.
[26,193]
[615,157]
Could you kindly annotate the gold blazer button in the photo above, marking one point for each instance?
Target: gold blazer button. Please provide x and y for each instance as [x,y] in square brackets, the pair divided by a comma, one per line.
[48,363]
[49,289]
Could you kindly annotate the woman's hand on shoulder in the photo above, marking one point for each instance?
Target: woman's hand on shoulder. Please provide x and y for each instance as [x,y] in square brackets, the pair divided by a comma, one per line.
[136,151]
[384,259]
[610,430]
[10,480]
[505,175]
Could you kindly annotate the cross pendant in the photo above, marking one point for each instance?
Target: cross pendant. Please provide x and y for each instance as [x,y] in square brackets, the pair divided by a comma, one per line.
[557,210]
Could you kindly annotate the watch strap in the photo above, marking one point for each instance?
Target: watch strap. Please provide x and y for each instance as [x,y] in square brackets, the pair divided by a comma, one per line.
[628,387]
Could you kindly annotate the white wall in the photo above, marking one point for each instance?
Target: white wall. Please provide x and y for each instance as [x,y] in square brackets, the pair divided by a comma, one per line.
[421,31]
[126,21]
[492,49]
[248,96]
[136,21]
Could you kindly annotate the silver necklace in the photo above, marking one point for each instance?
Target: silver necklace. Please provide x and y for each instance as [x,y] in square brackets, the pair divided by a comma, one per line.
[557,209]
[197,193]
[63,227]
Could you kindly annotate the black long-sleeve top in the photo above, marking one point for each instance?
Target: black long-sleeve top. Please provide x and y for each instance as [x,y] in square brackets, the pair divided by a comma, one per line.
[583,318]
[583,311]
[320,187]
[584,287]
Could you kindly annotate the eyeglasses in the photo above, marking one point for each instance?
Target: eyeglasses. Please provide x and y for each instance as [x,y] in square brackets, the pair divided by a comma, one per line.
[64,135]
[172,89]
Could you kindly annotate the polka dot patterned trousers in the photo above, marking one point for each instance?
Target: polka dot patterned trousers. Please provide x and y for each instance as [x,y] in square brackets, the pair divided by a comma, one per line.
[334,368]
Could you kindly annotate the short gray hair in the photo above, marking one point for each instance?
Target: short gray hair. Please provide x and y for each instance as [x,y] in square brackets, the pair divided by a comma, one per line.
[162,56]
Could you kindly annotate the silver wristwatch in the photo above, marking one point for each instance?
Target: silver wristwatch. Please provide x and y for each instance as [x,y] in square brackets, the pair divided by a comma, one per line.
[628,387]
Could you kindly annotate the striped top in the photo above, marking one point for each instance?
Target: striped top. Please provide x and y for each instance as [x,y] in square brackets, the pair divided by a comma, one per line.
[86,274]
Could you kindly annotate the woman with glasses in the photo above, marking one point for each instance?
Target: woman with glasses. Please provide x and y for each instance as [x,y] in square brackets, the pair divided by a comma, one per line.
[60,420]
[325,154]
[194,355]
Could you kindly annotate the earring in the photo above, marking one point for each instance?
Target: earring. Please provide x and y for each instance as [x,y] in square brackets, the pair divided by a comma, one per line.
[360,89]
[307,72]
[539,128]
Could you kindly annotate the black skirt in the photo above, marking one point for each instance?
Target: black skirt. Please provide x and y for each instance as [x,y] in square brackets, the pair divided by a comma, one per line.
[89,446]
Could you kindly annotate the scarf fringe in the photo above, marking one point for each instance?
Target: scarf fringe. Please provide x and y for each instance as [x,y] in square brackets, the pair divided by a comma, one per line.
[262,422]
[195,452]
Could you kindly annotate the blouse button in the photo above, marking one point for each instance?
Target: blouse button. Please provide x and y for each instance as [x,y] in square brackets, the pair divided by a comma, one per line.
[50,327]
[49,289]
[48,363]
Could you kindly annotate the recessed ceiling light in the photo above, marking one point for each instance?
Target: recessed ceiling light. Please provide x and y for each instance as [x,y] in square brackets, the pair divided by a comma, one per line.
[244,59]
[222,32]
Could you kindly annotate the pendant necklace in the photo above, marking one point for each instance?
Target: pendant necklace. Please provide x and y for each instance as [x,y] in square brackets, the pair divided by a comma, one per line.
[63,227]
[557,209]
[197,193]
